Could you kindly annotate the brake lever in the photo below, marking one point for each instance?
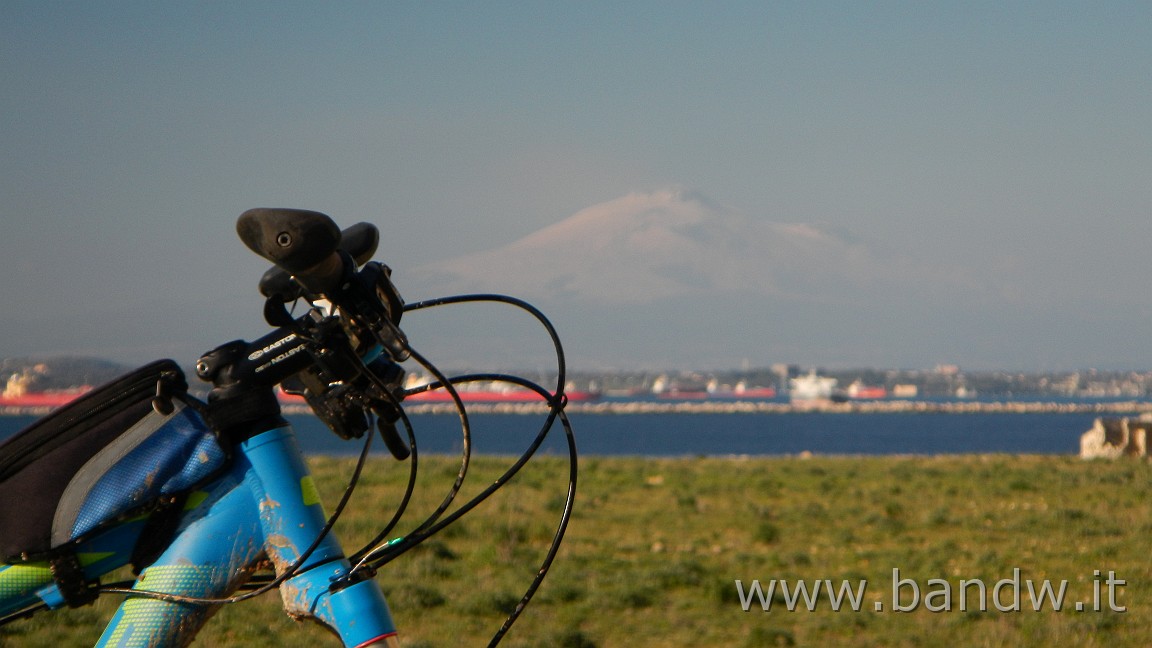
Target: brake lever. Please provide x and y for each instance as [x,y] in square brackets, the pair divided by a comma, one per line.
[386,416]
[387,376]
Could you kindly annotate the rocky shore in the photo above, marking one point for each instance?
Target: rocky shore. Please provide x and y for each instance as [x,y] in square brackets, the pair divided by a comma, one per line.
[753,407]
[764,407]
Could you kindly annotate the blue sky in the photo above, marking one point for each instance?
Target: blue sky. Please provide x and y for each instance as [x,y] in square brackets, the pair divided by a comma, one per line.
[1010,141]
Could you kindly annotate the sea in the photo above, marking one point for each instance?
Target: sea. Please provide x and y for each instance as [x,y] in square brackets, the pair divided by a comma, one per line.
[719,434]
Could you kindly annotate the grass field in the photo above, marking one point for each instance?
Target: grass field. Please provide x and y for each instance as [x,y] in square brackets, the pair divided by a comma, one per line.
[656,546]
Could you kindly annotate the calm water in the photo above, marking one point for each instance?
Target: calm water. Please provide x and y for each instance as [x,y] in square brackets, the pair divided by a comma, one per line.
[726,434]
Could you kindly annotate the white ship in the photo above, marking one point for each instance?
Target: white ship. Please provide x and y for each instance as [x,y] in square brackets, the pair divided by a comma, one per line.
[811,387]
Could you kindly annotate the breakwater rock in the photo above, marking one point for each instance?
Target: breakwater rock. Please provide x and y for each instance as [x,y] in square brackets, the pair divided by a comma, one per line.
[767,407]
[1134,408]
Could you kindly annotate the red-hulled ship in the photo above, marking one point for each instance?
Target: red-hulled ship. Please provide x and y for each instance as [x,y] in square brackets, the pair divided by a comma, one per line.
[42,400]
[494,396]
[860,391]
[473,393]
[17,392]
[712,390]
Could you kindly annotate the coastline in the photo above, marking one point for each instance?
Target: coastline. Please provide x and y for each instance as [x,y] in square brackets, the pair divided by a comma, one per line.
[745,407]
[773,407]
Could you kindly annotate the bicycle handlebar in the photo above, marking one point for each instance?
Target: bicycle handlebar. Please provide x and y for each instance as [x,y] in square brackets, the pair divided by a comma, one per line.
[341,356]
[302,242]
[359,241]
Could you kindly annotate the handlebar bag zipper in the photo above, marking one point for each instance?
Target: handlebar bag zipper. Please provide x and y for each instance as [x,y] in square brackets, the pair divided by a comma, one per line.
[123,450]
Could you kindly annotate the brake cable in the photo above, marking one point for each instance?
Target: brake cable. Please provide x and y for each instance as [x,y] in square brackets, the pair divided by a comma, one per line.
[373,556]
[557,400]
[359,557]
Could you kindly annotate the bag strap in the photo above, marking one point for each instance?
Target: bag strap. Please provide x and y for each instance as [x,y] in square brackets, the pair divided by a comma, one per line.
[158,533]
[75,589]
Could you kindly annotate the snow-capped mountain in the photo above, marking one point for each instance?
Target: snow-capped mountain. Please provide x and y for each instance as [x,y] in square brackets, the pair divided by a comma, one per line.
[666,244]
[672,275]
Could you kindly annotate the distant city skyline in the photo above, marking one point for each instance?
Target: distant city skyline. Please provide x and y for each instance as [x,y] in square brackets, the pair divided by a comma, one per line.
[970,181]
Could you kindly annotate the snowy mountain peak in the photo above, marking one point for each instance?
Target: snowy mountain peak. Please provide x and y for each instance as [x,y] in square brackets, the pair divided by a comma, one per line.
[649,246]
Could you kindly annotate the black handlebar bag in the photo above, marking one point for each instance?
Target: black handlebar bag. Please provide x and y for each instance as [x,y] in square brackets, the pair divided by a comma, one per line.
[125,449]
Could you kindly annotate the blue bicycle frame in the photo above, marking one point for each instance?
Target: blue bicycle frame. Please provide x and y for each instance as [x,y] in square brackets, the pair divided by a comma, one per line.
[265,505]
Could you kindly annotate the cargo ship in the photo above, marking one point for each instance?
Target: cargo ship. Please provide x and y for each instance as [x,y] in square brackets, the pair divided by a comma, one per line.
[470,393]
[487,392]
[516,395]
[18,395]
[743,391]
[860,391]
[42,400]
[712,390]
[814,388]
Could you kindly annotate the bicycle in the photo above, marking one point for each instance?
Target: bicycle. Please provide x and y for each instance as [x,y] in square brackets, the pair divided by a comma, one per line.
[199,496]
